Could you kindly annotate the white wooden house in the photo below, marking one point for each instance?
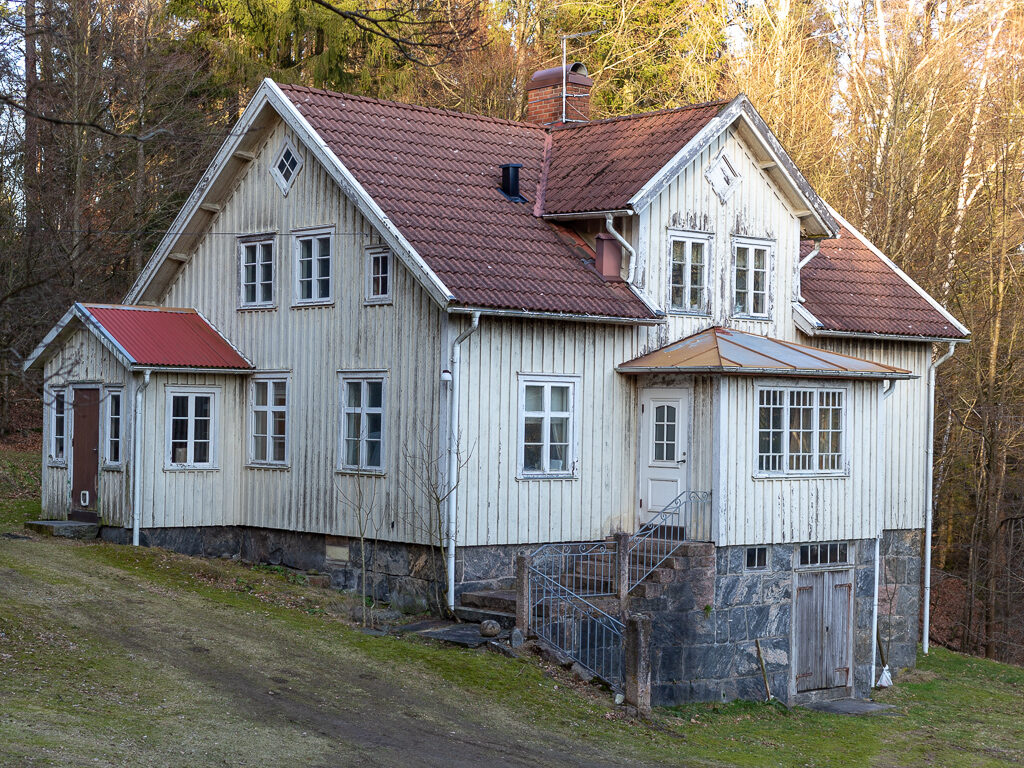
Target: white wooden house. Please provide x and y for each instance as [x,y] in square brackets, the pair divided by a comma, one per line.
[433,330]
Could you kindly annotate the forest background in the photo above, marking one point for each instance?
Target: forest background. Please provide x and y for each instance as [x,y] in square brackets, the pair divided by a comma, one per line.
[906,115]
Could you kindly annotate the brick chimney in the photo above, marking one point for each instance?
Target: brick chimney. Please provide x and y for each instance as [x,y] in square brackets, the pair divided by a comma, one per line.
[544,95]
[608,257]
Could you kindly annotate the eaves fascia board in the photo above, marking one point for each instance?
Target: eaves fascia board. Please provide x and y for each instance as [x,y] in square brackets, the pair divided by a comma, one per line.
[565,316]
[797,372]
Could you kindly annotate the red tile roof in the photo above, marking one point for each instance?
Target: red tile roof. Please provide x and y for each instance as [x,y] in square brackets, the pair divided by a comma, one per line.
[174,338]
[849,288]
[435,174]
[600,165]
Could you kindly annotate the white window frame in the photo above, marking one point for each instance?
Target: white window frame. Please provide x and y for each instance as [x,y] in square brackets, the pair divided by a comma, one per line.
[689,237]
[285,184]
[314,234]
[108,394]
[269,378]
[372,253]
[844,439]
[572,459]
[214,394]
[350,376]
[752,243]
[257,240]
[52,458]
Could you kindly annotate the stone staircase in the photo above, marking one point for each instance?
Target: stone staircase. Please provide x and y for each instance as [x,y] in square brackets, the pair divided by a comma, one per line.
[497,604]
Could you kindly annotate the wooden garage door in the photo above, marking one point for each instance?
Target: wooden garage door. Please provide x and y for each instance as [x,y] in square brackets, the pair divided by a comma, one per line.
[824,605]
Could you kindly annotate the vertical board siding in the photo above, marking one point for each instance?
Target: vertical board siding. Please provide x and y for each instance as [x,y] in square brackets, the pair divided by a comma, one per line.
[497,507]
[312,344]
[83,359]
[755,209]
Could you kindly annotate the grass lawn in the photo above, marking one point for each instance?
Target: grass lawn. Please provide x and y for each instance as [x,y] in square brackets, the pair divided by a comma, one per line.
[116,656]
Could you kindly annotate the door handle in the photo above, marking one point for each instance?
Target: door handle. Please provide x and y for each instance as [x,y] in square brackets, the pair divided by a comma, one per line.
[683,459]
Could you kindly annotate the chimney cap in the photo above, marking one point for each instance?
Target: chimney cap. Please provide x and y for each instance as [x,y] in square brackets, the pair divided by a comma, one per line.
[574,73]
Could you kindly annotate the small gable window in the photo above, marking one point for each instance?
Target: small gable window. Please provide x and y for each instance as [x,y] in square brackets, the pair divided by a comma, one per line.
[723,177]
[286,166]
[313,267]
[688,279]
[256,283]
[378,275]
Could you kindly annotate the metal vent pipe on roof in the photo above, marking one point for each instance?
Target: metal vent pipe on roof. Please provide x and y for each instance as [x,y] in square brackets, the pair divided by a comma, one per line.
[510,182]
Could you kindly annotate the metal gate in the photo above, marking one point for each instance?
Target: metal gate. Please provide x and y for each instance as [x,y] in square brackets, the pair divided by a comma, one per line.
[823,628]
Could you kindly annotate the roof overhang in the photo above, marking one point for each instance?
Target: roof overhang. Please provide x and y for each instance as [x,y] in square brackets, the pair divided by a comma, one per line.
[237,152]
[526,314]
[814,214]
[728,352]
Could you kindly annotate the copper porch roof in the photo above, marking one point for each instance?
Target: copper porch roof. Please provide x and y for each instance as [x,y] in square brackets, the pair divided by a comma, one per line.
[165,338]
[726,351]
[849,288]
[435,174]
[600,165]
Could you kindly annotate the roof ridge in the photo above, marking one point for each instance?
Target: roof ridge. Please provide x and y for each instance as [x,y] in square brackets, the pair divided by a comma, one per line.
[418,107]
[640,115]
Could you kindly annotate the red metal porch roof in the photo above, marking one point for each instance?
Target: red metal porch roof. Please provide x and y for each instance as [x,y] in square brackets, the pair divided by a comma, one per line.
[166,337]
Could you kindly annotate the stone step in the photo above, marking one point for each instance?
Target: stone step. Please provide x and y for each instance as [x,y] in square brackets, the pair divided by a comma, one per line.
[583,584]
[503,600]
[65,529]
[648,589]
[477,615]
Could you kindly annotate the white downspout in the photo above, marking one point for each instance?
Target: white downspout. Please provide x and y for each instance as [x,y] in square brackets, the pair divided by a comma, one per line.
[137,460]
[803,263]
[888,387]
[929,490]
[453,450]
[609,225]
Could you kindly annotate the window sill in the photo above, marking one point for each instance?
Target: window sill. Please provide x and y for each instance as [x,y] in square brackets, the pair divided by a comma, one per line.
[113,467]
[549,476]
[798,475]
[267,465]
[57,463]
[257,307]
[190,468]
[362,472]
[379,301]
[687,313]
[312,304]
[757,318]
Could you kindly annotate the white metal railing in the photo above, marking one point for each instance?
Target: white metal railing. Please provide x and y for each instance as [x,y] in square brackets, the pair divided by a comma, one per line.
[686,518]
[585,568]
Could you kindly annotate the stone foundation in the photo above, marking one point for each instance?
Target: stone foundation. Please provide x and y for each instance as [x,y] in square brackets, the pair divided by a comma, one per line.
[899,597]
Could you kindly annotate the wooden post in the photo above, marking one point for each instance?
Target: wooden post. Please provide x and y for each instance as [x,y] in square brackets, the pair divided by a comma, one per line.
[637,653]
[522,593]
[621,568]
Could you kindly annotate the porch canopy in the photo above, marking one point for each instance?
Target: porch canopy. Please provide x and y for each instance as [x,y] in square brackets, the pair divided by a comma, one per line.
[143,337]
[726,351]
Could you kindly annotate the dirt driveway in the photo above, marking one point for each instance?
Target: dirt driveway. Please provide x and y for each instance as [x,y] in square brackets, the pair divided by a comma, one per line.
[107,661]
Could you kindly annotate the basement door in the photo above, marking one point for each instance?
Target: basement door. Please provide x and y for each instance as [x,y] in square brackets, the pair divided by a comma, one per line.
[664,442]
[823,642]
[85,454]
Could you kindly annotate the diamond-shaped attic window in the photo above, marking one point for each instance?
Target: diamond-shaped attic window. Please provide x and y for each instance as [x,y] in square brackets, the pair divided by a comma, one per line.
[722,177]
[286,166]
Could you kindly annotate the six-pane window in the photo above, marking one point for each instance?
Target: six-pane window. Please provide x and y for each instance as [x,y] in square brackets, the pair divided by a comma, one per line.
[362,437]
[313,268]
[378,283]
[751,281]
[269,441]
[800,431]
[689,269]
[547,427]
[257,274]
[114,420]
[190,424]
[59,435]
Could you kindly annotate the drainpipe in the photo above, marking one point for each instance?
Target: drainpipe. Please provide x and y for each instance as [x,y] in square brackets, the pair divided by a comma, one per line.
[609,225]
[453,449]
[888,387]
[803,263]
[929,490]
[137,460]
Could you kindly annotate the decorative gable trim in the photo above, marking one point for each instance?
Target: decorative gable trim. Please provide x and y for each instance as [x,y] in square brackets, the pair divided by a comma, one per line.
[779,165]
[269,94]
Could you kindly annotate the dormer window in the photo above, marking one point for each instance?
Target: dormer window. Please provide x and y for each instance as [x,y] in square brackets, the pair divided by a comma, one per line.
[286,166]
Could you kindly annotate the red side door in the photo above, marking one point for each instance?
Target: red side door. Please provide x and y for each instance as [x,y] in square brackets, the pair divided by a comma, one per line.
[85,455]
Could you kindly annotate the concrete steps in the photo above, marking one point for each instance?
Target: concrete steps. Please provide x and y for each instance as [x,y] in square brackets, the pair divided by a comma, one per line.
[64,529]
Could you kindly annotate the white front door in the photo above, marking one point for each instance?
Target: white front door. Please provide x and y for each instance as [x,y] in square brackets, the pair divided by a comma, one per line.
[664,443]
